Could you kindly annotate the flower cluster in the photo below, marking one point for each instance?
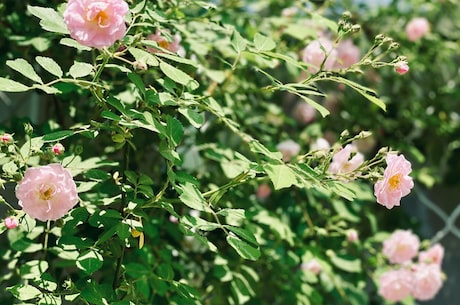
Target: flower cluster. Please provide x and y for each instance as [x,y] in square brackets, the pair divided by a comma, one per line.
[421,280]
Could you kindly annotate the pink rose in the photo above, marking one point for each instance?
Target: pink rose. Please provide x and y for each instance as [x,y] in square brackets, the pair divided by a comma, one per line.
[396,182]
[434,255]
[401,247]
[58,149]
[317,52]
[96,23]
[47,192]
[347,54]
[304,113]
[162,42]
[263,191]
[427,281]
[289,149]
[352,235]
[401,67]
[417,28]
[395,285]
[6,138]
[312,266]
[320,144]
[11,222]
[343,162]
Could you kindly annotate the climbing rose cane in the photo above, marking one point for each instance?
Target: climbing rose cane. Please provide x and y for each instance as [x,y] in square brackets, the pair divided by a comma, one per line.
[47,192]
[96,23]
[396,182]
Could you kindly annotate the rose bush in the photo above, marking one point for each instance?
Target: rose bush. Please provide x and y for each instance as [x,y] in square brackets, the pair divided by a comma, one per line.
[162,173]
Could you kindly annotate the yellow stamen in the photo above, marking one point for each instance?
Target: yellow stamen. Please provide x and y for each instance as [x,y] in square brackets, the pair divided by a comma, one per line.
[395,181]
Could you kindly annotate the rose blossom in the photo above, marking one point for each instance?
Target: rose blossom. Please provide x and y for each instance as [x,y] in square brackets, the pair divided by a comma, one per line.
[316,52]
[47,192]
[417,28]
[341,162]
[289,149]
[395,285]
[347,54]
[401,247]
[6,138]
[427,280]
[58,149]
[320,144]
[434,255]
[96,23]
[312,266]
[401,67]
[162,42]
[11,222]
[352,235]
[304,113]
[263,191]
[396,182]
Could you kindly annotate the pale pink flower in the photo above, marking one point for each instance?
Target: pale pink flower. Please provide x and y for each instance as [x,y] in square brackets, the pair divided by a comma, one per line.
[263,191]
[58,149]
[6,138]
[11,222]
[343,162]
[352,235]
[173,46]
[320,144]
[347,54]
[434,255]
[317,52]
[304,113]
[427,281]
[401,67]
[47,192]
[417,28]
[396,182]
[312,266]
[173,219]
[289,149]
[401,247]
[395,285]
[96,23]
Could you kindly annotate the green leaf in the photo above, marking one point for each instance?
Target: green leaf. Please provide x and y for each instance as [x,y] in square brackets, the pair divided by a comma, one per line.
[90,261]
[137,81]
[174,130]
[69,42]
[263,43]
[178,76]
[346,263]
[191,196]
[178,59]
[49,65]
[238,42]
[322,110]
[8,85]
[144,56]
[47,89]
[80,69]
[243,233]
[106,114]
[22,66]
[33,269]
[57,136]
[24,292]
[280,175]
[258,147]
[195,118]
[243,249]
[234,213]
[50,20]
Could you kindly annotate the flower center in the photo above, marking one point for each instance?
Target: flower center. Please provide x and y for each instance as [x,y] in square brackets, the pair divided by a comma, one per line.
[47,192]
[164,44]
[98,15]
[395,181]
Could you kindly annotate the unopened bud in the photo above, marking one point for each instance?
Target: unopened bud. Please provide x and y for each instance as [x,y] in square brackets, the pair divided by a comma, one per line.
[6,138]
[58,149]
[379,38]
[11,222]
[355,28]
[401,67]
[346,15]
[394,45]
